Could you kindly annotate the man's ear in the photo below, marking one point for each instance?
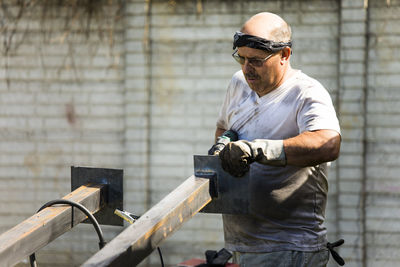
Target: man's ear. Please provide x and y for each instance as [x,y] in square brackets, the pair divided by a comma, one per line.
[285,54]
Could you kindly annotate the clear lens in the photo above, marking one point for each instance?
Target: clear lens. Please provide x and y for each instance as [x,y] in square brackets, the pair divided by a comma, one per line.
[238,58]
[255,62]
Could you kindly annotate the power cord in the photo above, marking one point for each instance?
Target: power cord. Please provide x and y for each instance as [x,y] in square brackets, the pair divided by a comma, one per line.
[131,218]
[161,258]
[102,243]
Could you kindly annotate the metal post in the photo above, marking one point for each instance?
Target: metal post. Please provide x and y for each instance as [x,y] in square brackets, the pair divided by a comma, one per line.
[48,224]
[137,241]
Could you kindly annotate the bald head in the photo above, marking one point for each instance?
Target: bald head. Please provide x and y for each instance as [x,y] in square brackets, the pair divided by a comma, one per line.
[268,26]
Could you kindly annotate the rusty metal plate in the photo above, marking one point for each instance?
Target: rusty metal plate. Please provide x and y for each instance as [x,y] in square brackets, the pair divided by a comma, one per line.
[113,178]
[230,195]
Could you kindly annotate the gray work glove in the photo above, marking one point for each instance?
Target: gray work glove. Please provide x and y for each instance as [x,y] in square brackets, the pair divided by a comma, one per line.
[222,141]
[237,156]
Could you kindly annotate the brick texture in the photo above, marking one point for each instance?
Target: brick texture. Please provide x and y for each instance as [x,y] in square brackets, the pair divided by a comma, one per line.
[62,104]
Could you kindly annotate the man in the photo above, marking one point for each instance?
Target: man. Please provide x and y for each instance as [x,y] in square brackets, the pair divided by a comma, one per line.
[287,130]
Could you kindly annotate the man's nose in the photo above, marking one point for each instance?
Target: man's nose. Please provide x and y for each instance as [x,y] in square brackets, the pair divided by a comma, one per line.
[247,66]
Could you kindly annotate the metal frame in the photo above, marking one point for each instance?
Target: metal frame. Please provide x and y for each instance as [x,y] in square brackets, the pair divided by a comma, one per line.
[230,195]
[137,241]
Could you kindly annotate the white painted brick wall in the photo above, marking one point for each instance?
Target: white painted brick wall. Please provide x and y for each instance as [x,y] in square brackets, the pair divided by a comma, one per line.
[383,135]
[39,143]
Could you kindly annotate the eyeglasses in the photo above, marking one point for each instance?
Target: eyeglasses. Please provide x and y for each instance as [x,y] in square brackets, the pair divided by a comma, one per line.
[255,62]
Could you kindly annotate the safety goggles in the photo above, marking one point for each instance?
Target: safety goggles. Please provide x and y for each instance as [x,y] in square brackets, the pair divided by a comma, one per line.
[241,39]
[255,62]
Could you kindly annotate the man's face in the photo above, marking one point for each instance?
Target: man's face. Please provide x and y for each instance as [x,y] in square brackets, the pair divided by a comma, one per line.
[265,78]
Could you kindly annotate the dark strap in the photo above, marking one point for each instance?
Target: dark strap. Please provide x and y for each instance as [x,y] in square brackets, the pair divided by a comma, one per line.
[334,254]
[216,259]
[241,39]
[210,256]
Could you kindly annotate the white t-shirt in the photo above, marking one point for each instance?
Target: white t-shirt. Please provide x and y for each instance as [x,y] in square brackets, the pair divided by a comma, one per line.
[287,204]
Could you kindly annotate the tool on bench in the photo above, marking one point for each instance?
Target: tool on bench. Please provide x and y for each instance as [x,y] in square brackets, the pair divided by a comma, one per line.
[127,216]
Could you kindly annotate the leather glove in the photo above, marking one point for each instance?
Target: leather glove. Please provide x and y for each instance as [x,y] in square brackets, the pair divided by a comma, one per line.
[222,141]
[237,156]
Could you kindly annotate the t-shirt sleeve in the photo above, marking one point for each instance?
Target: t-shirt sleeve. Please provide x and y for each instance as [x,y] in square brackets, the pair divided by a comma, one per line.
[317,111]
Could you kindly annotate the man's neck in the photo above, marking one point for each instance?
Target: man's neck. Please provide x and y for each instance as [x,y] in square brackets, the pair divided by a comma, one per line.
[286,75]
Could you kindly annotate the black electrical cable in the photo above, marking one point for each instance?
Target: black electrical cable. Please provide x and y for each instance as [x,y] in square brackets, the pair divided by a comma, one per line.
[102,243]
[161,258]
[32,258]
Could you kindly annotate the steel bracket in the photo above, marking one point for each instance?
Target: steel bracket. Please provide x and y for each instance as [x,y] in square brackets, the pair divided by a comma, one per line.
[113,197]
[230,195]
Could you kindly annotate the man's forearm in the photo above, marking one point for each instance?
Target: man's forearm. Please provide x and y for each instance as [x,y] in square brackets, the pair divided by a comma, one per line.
[306,149]
[312,148]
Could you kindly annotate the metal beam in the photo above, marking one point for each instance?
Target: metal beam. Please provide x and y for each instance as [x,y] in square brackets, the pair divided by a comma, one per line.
[137,241]
[45,226]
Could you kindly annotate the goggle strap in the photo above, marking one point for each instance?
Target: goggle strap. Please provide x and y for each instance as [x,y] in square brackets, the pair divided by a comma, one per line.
[241,39]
